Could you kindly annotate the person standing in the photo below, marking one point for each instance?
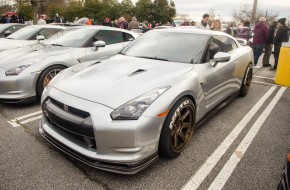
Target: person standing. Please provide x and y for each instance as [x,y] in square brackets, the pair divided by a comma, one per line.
[269,45]
[281,36]
[106,22]
[217,25]
[259,39]
[133,24]
[41,21]
[57,18]
[244,31]
[204,23]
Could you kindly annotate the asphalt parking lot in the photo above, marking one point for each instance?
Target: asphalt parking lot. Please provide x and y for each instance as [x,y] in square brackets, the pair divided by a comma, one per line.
[243,146]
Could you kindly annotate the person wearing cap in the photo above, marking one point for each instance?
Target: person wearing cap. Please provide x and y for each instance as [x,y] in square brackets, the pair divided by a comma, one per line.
[259,40]
[281,36]
[57,18]
[41,21]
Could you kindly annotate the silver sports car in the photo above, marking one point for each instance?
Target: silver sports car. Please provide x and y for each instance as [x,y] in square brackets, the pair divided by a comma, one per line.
[121,113]
[24,72]
[28,36]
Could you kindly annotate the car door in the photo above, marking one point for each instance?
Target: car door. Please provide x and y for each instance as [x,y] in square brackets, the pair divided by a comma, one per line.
[217,79]
[115,41]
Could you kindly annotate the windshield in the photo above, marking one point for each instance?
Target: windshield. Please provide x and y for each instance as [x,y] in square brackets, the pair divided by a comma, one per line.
[71,37]
[3,26]
[167,46]
[24,34]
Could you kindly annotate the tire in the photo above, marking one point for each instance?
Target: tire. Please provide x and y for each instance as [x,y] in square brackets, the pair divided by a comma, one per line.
[177,128]
[247,80]
[45,77]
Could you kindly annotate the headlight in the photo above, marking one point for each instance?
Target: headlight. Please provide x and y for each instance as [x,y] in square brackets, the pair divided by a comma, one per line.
[16,71]
[135,108]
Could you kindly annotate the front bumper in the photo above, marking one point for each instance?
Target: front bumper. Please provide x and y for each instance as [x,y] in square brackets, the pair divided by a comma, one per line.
[18,88]
[125,147]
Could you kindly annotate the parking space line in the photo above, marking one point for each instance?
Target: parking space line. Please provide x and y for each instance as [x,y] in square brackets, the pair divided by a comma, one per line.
[195,181]
[256,76]
[258,82]
[237,156]
[19,120]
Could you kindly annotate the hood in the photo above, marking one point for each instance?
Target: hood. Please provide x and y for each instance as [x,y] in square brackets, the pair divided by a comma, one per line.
[119,79]
[6,44]
[30,54]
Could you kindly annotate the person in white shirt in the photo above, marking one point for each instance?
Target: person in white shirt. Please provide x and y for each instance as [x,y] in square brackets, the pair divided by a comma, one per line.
[41,21]
[204,23]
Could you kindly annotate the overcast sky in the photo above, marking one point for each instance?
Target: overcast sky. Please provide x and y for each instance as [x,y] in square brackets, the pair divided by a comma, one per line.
[224,8]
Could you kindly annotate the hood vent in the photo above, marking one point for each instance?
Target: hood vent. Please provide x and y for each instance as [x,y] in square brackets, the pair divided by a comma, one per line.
[137,72]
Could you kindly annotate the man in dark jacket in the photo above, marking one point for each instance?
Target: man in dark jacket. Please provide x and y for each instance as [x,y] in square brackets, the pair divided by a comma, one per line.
[269,45]
[281,36]
[260,38]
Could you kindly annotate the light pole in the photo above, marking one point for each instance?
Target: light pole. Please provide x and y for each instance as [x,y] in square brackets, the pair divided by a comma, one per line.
[254,12]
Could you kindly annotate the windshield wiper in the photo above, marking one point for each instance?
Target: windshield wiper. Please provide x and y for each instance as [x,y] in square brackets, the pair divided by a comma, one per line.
[122,53]
[155,58]
[9,38]
[56,44]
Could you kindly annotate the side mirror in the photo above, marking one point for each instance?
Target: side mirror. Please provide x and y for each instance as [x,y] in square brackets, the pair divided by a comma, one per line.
[7,33]
[40,37]
[98,44]
[221,57]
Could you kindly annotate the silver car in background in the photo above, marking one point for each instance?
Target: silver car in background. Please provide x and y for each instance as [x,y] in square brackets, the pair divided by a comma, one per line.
[120,114]
[29,35]
[24,72]
[9,28]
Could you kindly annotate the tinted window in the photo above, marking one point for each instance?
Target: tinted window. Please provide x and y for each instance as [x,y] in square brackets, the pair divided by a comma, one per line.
[48,32]
[229,44]
[171,46]
[127,37]
[110,37]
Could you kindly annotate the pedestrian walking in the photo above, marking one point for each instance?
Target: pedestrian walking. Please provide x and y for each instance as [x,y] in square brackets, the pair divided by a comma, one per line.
[203,24]
[281,36]
[133,24]
[259,39]
[269,45]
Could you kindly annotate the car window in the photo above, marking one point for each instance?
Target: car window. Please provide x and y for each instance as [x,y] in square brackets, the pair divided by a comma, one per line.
[25,33]
[48,32]
[127,37]
[109,36]
[14,28]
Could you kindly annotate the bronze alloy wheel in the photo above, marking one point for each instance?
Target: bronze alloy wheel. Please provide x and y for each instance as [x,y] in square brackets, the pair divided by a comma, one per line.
[177,128]
[45,77]
[182,128]
[50,76]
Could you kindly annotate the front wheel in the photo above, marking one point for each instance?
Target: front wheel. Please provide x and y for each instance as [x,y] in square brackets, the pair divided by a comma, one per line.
[177,129]
[247,80]
[45,77]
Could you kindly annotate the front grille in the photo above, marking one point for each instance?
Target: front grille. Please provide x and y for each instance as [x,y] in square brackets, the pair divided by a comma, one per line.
[72,121]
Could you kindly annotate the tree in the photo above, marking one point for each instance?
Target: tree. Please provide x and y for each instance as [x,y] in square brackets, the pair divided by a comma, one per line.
[162,11]
[73,10]
[26,12]
[143,9]
[246,13]
[127,9]
[5,8]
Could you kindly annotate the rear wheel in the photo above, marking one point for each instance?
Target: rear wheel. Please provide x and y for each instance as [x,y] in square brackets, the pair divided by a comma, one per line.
[45,77]
[246,81]
[177,129]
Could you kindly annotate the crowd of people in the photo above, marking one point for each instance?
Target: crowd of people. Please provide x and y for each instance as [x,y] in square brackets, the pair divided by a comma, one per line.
[12,19]
[265,35]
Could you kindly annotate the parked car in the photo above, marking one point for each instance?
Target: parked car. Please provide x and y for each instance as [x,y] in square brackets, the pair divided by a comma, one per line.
[140,30]
[121,113]
[24,72]
[9,28]
[28,36]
